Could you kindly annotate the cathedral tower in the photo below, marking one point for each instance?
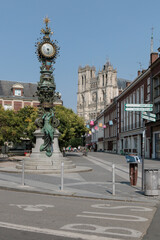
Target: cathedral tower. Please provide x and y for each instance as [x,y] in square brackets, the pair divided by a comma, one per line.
[95,92]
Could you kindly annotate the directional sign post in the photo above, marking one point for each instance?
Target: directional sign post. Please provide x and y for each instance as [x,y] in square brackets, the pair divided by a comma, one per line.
[139,107]
[145,109]
[149,116]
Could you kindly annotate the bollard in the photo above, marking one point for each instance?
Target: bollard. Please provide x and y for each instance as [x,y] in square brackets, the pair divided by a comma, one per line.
[62,170]
[113,179]
[23,183]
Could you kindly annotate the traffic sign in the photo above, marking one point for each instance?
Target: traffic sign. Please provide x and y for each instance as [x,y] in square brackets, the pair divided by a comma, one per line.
[139,105]
[138,109]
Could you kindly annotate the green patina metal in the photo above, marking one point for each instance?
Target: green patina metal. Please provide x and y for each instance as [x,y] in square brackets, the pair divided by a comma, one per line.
[48,131]
[47,52]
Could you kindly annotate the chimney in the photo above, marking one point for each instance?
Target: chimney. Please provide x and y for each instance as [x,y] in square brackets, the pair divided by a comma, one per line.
[127,84]
[153,57]
[139,73]
[120,91]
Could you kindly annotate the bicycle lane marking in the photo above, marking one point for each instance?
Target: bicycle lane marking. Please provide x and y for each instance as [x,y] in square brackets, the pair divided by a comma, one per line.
[109,230]
[60,233]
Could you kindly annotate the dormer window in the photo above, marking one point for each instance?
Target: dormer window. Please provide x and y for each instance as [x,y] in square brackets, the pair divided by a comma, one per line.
[17,90]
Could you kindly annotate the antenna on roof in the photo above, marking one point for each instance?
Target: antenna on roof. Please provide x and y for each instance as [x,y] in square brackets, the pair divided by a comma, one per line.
[140,66]
[151,49]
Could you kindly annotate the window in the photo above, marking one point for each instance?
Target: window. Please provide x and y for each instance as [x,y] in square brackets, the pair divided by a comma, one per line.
[17,89]
[135,142]
[122,116]
[126,143]
[94,97]
[17,92]
[7,107]
[148,89]
[133,111]
[137,114]
[142,100]
[142,94]
[103,80]
[157,87]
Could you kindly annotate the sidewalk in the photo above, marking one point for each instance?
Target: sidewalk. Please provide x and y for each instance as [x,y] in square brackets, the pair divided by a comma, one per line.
[94,184]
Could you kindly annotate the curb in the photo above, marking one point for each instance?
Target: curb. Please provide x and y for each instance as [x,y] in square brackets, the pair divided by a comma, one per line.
[75,195]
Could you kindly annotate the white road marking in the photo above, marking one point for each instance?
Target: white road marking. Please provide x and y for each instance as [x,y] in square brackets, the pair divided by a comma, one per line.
[53,232]
[125,232]
[131,208]
[33,208]
[123,217]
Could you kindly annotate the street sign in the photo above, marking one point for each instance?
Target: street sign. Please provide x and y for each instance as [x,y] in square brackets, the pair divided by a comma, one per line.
[149,118]
[138,105]
[149,114]
[138,109]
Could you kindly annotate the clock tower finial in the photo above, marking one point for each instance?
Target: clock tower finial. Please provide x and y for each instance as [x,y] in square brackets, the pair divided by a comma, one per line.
[46,20]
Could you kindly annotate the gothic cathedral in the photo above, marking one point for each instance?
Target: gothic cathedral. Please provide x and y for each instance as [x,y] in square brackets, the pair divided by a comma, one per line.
[95,92]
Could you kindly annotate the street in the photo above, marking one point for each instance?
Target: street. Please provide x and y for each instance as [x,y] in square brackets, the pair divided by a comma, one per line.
[71,218]
[86,209]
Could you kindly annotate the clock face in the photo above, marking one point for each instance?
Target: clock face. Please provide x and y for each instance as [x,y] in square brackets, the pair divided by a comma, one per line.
[48,50]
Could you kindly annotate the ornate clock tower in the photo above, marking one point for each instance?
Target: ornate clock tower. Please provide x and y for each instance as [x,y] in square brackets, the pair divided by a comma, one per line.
[47,51]
[46,156]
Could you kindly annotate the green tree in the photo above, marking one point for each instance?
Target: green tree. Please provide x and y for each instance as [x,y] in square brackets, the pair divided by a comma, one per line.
[16,126]
[27,117]
[9,125]
[72,127]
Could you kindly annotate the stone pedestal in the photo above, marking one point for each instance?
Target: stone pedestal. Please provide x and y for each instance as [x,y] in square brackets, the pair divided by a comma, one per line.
[39,161]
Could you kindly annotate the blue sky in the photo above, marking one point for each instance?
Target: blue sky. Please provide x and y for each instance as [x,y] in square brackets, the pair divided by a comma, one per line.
[88,32]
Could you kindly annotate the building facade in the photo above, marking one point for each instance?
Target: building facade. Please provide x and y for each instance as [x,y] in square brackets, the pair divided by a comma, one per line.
[110,132]
[124,130]
[16,95]
[95,92]
[130,123]
[154,127]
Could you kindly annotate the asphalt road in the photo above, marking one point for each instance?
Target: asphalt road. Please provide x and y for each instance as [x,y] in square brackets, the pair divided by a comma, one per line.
[6,234]
[153,231]
[33,216]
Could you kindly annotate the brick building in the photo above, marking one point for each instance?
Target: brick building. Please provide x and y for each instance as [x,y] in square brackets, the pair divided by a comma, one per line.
[16,95]
[124,129]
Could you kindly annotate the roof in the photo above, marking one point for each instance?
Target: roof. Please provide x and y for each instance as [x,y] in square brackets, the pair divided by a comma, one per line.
[29,89]
[122,83]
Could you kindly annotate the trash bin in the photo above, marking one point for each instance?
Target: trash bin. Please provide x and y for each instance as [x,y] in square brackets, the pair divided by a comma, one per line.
[133,173]
[151,182]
